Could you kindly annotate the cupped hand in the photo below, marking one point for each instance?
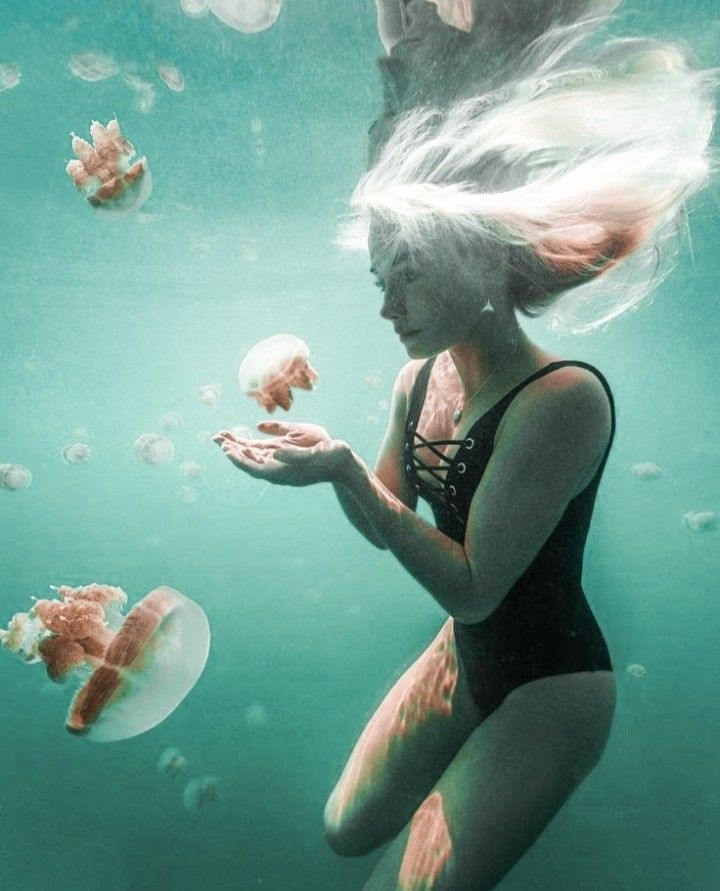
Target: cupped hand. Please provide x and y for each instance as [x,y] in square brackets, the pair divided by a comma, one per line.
[294,455]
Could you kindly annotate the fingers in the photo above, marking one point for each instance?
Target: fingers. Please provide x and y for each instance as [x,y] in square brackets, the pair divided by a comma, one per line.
[277,428]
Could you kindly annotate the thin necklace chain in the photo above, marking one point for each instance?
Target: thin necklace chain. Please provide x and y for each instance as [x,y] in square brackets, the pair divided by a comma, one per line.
[458,413]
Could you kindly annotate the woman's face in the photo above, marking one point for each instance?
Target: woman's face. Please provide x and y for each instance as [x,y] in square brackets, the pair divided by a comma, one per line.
[434,301]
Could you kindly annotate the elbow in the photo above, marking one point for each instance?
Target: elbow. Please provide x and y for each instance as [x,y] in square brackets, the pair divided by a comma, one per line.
[472,608]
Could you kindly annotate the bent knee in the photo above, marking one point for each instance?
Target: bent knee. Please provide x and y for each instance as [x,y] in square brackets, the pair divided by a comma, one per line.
[346,836]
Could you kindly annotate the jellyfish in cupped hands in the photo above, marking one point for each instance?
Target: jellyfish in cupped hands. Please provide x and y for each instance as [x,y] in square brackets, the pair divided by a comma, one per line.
[134,669]
[104,172]
[273,367]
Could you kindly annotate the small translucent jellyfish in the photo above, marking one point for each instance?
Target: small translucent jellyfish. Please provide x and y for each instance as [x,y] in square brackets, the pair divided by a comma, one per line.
[172,77]
[151,448]
[77,453]
[248,16]
[646,471]
[81,434]
[135,669]
[190,469]
[242,431]
[209,394]
[187,495]
[14,477]
[204,436]
[372,420]
[636,670]
[9,75]
[195,8]
[701,520]
[144,88]
[372,380]
[171,762]
[256,715]
[383,405]
[92,66]
[199,791]
[272,367]
[104,174]
[170,421]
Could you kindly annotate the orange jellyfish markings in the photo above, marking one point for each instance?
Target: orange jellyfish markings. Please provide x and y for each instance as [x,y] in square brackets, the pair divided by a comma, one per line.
[73,618]
[129,645]
[61,655]
[277,392]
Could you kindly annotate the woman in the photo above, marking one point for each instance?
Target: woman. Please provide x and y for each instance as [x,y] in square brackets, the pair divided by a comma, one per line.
[477,206]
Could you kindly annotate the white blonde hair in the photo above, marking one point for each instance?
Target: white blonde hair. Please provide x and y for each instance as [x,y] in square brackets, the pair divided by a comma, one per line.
[582,168]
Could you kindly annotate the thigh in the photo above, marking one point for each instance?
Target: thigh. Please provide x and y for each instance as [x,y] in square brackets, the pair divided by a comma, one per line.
[409,741]
[504,786]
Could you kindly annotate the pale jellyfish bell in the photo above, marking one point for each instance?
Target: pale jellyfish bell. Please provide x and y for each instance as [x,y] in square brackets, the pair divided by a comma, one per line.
[172,77]
[171,762]
[248,16]
[190,469]
[187,495]
[135,670]
[256,715]
[9,75]
[701,520]
[646,471]
[170,421]
[199,791]
[209,394]
[77,453]
[104,174]
[636,670]
[92,66]
[151,448]
[14,477]
[273,367]
[195,9]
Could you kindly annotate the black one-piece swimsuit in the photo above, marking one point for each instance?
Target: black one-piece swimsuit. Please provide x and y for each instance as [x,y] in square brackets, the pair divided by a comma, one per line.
[544,625]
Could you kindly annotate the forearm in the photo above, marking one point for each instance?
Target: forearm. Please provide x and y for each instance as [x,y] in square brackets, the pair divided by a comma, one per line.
[354,513]
[437,562]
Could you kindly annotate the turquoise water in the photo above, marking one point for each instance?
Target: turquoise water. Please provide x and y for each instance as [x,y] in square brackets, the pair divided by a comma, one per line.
[106,326]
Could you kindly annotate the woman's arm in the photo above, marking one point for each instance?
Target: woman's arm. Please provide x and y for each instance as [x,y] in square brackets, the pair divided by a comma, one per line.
[553,438]
[389,464]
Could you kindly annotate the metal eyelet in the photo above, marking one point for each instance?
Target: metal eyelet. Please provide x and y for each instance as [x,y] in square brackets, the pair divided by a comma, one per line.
[469,443]
[417,487]
[411,425]
[461,467]
[408,468]
[452,490]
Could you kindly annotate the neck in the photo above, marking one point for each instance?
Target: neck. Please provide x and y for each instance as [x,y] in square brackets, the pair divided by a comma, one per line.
[492,359]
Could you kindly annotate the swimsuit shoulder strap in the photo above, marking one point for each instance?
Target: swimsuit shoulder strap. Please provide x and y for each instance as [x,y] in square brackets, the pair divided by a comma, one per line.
[417,394]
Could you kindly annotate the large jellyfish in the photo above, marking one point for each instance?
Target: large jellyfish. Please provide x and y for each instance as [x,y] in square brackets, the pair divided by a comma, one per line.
[135,669]
[701,520]
[248,16]
[92,66]
[272,367]
[14,477]
[104,174]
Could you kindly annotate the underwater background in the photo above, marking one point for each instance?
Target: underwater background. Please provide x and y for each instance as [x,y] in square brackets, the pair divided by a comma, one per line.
[106,326]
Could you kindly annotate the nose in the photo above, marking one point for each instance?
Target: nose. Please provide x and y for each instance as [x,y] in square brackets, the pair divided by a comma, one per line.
[392,305]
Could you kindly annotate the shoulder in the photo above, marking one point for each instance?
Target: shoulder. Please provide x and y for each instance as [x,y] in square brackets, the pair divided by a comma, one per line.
[406,377]
[568,403]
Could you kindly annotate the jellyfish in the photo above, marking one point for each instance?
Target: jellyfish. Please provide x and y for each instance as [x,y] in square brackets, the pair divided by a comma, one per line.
[170,421]
[190,469]
[204,436]
[372,380]
[195,9]
[242,431]
[145,90]
[256,715]
[199,791]
[172,78]
[384,405]
[248,16]
[92,66]
[636,670]
[77,453]
[134,669]
[700,520]
[187,495]
[104,174]
[209,394]
[14,477]
[272,367]
[9,75]
[171,762]
[152,448]
[646,471]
